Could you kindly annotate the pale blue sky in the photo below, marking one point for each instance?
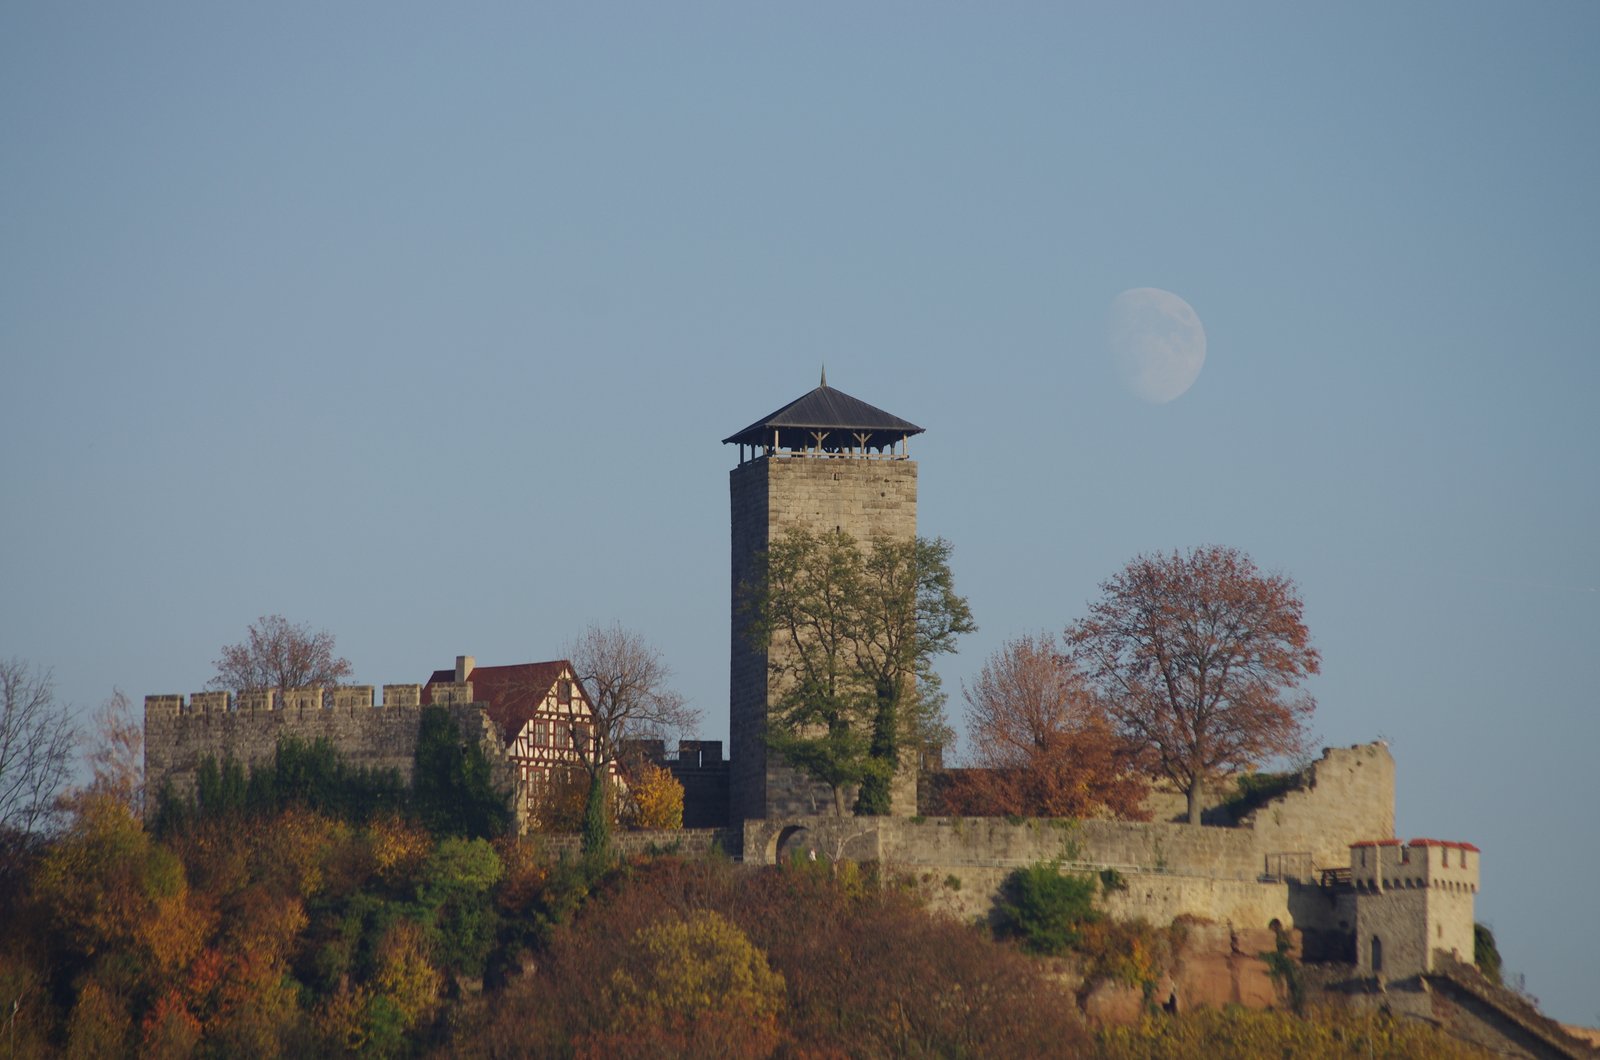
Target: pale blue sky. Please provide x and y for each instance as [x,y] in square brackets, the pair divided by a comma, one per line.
[422,323]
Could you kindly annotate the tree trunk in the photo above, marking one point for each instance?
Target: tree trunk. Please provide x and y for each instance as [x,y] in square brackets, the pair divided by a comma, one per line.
[1194,801]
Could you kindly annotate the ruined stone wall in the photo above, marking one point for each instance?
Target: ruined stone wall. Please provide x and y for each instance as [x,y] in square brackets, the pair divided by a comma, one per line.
[864,498]
[180,734]
[1348,797]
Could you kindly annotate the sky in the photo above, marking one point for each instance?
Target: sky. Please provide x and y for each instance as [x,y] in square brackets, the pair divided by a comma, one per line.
[422,323]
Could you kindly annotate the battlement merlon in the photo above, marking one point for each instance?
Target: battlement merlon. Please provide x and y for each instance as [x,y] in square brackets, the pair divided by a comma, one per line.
[1378,865]
[294,700]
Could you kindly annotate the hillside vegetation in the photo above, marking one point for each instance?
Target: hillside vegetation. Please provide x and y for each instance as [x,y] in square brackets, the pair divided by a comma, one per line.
[288,931]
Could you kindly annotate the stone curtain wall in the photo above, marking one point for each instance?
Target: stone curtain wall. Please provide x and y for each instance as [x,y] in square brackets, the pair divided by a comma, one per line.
[688,842]
[179,735]
[864,498]
[1171,869]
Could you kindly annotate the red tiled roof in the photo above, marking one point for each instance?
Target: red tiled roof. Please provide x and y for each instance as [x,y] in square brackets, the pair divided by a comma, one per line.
[1445,843]
[512,693]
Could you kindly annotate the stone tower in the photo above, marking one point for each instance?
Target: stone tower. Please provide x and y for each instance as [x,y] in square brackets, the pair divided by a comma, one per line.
[824,461]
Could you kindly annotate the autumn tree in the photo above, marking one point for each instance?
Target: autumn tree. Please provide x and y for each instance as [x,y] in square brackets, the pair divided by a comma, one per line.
[1199,658]
[277,653]
[657,797]
[630,693]
[36,751]
[850,635]
[116,755]
[1041,744]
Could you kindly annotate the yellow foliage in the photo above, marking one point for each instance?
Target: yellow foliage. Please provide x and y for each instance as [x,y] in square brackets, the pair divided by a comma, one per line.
[658,796]
[295,846]
[695,966]
[107,888]
[405,973]
[341,1020]
[99,1025]
[1326,1034]
[398,849]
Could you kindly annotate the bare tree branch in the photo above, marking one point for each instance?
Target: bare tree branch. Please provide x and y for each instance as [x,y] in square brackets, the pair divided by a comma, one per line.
[36,746]
[280,654]
[116,756]
[627,682]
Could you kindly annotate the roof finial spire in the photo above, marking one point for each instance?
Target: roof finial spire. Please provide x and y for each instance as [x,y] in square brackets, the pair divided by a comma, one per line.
[824,373]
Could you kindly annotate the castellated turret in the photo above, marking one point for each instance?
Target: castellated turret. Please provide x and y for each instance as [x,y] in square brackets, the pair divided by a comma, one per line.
[826,461]
[1414,902]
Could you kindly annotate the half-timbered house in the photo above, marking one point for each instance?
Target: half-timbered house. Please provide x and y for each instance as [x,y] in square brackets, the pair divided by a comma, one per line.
[543,714]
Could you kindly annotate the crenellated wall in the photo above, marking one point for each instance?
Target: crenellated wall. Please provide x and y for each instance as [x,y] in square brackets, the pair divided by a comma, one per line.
[179,734]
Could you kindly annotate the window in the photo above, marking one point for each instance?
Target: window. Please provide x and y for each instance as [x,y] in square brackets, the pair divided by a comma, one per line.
[1445,852]
[541,734]
[563,737]
[1377,954]
[564,692]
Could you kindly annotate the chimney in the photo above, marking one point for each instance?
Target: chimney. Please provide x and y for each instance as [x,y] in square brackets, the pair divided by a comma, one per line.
[464,665]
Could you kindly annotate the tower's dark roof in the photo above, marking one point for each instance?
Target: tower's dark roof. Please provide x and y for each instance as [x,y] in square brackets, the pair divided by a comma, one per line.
[825,409]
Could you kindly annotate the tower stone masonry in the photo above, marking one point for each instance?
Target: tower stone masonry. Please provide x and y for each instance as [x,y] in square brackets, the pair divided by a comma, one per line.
[826,461]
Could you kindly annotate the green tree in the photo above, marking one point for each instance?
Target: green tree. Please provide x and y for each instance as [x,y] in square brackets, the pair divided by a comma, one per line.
[850,635]
[910,613]
[453,897]
[452,788]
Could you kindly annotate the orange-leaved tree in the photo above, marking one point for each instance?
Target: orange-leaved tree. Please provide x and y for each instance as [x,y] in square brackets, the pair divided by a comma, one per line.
[1199,657]
[1041,743]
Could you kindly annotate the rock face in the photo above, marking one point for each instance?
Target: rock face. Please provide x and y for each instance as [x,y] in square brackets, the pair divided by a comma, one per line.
[1216,965]
[1220,966]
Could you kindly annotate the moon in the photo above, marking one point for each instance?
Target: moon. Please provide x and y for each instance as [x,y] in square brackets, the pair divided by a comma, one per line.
[1157,341]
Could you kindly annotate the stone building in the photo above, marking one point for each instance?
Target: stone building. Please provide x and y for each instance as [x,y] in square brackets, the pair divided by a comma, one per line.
[532,721]
[1414,904]
[825,461]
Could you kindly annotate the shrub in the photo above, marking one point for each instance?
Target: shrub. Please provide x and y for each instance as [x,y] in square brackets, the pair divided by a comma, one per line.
[1045,909]
[1485,954]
